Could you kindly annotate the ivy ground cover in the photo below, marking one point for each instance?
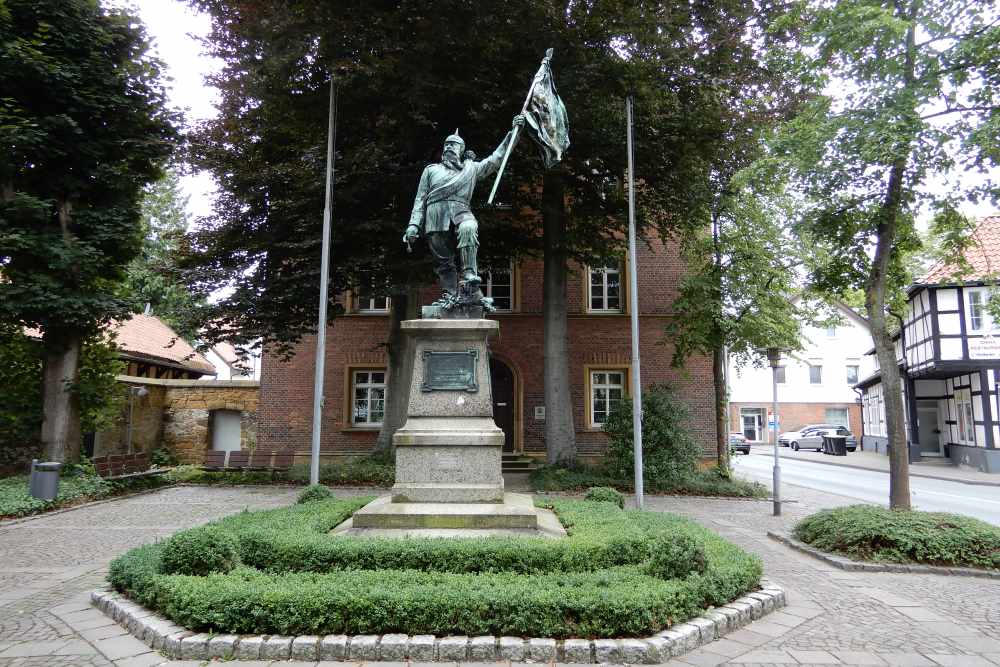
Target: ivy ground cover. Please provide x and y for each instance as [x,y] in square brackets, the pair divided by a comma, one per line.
[617,574]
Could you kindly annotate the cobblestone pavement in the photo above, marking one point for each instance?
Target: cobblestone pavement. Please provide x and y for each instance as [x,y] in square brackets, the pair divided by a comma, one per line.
[49,565]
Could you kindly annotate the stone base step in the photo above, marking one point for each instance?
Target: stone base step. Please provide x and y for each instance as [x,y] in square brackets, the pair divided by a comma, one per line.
[517,511]
[442,492]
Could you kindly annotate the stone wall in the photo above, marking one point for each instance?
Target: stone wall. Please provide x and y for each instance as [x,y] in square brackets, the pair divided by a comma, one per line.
[177,415]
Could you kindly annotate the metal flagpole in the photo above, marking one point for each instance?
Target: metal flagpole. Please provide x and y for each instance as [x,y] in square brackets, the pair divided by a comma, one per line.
[634,303]
[324,279]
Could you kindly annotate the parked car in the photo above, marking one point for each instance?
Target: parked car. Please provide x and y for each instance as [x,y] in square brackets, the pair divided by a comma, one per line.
[811,437]
[739,443]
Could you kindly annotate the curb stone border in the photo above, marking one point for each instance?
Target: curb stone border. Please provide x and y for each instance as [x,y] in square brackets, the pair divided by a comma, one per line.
[174,641]
[851,565]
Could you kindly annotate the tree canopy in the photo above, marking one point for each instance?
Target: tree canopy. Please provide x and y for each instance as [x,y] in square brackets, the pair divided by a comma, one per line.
[84,126]
[918,85]
[406,76]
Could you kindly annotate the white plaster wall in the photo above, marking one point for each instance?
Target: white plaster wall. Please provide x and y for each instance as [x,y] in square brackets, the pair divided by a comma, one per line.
[847,347]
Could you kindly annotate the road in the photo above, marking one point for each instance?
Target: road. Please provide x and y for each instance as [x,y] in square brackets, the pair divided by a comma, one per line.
[982,502]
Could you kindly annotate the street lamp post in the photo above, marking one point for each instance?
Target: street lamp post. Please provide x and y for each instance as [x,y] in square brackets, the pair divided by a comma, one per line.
[773,357]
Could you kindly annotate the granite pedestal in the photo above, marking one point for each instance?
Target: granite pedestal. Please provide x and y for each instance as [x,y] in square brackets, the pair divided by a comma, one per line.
[448,453]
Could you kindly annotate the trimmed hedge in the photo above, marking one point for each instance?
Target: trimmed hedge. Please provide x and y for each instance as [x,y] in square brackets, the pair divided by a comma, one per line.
[867,532]
[298,579]
[605,494]
[199,552]
[698,483]
[314,492]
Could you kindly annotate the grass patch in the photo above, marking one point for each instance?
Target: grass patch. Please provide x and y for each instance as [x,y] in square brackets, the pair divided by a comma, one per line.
[867,532]
[695,483]
[293,577]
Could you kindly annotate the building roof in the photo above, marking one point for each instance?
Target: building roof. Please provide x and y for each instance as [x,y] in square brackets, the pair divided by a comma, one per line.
[148,338]
[227,353]
[983,255]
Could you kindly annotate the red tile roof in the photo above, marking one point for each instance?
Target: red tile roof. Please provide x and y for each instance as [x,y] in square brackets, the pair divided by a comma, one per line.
[983,255]
[149,337]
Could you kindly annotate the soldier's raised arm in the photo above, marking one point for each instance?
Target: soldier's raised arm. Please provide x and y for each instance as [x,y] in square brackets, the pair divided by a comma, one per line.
[492,163]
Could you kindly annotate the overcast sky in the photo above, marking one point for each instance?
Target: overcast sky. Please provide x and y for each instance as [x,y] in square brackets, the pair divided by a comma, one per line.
[175,29]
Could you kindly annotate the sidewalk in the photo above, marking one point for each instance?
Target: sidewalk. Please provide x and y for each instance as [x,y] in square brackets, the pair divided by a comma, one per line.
[931,469]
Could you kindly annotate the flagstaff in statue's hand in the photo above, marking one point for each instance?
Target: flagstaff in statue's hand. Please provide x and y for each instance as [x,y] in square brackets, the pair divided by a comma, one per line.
[545,115]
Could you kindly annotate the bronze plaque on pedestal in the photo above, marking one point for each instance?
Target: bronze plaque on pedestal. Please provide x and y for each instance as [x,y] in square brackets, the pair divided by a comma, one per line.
[450,371]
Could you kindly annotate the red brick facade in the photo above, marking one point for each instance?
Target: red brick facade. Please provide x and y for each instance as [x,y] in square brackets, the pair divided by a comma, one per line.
[357,341]
[796,415]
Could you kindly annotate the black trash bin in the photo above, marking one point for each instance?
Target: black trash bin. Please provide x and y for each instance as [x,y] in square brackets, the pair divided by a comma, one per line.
[835,445]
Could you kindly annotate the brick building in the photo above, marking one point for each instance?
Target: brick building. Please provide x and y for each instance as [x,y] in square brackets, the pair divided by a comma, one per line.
[600,351]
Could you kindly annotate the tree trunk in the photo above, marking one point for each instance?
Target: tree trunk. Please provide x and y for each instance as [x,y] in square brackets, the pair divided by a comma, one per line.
[875,290]
[560,433]
[721,408]
[60,405]
[400,349]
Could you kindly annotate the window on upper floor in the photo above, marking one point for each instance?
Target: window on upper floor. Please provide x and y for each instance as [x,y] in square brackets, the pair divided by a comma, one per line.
[852,374]
[371,298]
[831,331]
[498,284]
[607,388]
[605,289]
[368,407]
[815,374]
[978,318]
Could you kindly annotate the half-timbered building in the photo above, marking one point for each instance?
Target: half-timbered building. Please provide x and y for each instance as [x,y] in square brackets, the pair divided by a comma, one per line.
[949,355]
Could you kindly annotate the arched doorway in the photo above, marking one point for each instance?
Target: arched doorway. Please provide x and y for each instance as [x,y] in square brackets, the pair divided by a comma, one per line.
[504,400]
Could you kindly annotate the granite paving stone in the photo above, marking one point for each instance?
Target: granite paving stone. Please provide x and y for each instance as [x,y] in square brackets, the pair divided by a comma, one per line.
[863,618]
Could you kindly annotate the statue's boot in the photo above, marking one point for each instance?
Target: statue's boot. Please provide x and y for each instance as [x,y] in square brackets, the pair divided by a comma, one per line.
[470,268]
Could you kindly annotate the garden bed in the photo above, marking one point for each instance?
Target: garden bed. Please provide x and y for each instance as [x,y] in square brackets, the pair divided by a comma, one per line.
[880,535]
[74,489]
[694,483]
[280,572]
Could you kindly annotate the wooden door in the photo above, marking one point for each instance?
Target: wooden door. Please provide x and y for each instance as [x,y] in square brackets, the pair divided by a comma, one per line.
[502,382]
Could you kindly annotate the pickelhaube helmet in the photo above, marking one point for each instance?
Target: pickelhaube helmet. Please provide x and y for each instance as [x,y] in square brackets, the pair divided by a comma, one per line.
[455,138]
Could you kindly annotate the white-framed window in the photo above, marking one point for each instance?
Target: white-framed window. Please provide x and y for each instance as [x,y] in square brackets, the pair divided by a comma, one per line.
[605,289]
[607,388]
[368,404]
[852,374]
[831,331]
[978,317]
[838,416]
[966,417]
[498,284]
[370,300]
[752,424]
[815,374]
[780,375]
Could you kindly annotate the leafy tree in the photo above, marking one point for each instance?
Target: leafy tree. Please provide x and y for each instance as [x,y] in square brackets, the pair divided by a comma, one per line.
[406,76]
[918,85]
[96,389]
[84,126]
[154,277]
[737,297]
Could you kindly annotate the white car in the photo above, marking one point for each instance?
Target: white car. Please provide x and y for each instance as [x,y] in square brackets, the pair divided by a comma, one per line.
[811,437]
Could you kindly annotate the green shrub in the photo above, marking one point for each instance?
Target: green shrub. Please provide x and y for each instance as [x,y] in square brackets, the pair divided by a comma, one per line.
[375,470]
[698,483]
[199,552]
[499,586]
[875,533]
[669,454]
[605,494]
[314,492]
[192,474]
[676,557]
[163,457]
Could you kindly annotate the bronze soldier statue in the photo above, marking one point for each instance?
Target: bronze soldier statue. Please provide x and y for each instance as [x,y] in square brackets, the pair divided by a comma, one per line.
[442,205]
